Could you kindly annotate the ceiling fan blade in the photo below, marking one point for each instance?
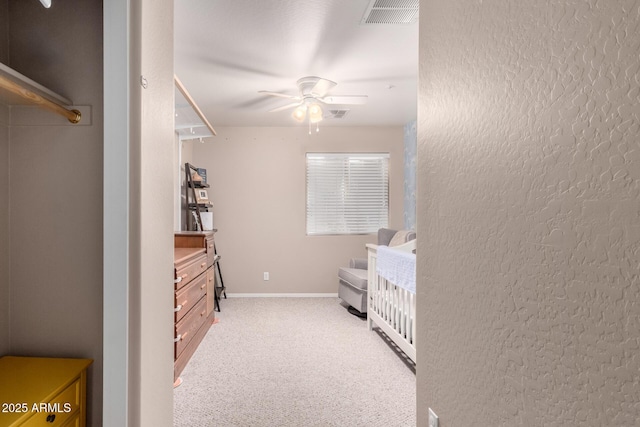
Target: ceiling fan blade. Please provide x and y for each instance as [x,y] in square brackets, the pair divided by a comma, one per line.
[284,107]
[322,87]
[345,99]
[281,95]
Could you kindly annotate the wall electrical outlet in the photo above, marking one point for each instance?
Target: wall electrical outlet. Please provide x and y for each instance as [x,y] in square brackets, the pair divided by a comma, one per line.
[266,275]
[433,419]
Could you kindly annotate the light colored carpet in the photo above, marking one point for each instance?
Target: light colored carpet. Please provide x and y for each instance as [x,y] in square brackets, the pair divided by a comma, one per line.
[294,362]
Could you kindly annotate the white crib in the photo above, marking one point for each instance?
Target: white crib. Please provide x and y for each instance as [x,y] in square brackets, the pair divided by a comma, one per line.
[391,307]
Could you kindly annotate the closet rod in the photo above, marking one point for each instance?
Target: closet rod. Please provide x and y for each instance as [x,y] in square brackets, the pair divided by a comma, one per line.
[73,116]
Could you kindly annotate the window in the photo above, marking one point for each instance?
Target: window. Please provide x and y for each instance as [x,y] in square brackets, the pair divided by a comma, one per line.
[347,193]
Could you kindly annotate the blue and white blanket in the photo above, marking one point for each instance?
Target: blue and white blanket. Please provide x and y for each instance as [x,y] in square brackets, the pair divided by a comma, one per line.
[397,267]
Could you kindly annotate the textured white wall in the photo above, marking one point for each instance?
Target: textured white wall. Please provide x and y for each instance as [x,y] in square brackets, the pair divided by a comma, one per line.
[151,224]
[529,213]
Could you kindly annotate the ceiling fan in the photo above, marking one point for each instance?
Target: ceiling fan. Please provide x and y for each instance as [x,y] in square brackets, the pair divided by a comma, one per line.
[313,92]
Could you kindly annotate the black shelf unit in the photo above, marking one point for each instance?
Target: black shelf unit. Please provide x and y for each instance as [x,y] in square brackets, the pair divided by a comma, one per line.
[194,206]
[193,211]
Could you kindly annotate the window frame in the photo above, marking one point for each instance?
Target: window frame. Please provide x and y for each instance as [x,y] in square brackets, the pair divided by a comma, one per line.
[383,213]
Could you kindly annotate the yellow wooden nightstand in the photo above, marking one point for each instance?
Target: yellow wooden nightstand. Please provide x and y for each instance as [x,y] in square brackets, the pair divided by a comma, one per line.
[37,391]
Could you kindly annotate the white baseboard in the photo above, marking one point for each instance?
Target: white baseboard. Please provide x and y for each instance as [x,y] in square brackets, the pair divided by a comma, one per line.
[277,295]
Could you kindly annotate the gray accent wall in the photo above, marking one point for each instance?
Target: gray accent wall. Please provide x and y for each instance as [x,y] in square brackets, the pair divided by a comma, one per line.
[529,213]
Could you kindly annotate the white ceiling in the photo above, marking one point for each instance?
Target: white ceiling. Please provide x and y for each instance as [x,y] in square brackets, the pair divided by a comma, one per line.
[228,50]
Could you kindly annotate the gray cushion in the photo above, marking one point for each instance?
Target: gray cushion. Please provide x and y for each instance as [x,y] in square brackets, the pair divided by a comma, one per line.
[385,235]
[356,298]
[402,237]
[356,277]
[359,263]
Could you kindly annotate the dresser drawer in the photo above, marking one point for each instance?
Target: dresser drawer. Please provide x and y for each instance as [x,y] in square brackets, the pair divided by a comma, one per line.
[189,325]
[60,409]
[184,273]
[210,251]
[189,295]
[182,360]
[211,289]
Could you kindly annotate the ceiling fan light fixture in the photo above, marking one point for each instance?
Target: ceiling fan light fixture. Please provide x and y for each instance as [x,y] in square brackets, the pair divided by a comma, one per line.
[300,113]
[315,113]
[313,91]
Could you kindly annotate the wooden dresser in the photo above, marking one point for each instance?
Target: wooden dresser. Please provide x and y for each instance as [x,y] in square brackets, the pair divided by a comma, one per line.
[37,391]
[194,280]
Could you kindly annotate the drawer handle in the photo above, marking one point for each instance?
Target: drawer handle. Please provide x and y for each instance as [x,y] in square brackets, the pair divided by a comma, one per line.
[51,418]
[210,245]
[178,338]
[203,313]
[183,277]
[203,265]
[178,308]
[203,285]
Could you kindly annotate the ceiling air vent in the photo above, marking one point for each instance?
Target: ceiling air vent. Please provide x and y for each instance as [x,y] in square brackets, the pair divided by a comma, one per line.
[391,12]
[338,114]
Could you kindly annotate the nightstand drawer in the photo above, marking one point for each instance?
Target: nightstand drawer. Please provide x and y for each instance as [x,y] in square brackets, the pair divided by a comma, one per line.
[59,410]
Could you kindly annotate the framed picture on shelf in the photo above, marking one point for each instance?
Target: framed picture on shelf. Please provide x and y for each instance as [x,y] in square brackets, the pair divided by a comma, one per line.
[201,196]
[203,174]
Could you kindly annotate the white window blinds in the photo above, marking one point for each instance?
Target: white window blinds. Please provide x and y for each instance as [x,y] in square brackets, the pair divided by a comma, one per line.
[347,193]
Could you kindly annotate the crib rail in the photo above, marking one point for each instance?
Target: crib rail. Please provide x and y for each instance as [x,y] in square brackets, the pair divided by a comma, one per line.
[391,307]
